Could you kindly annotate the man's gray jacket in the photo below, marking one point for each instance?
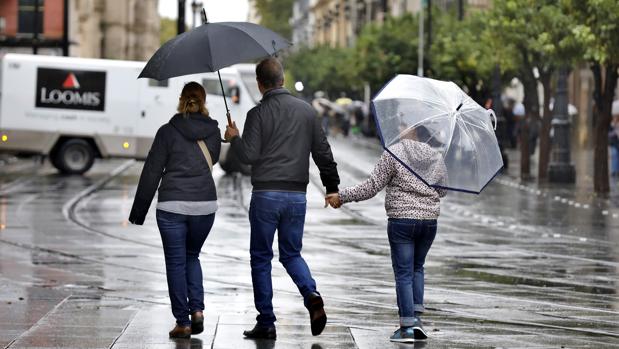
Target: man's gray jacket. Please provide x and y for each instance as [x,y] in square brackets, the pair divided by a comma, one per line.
[279,135]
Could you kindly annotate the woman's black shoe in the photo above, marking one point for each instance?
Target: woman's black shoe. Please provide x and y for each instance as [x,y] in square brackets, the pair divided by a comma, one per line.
[261,332]
[318,317]
[197,322]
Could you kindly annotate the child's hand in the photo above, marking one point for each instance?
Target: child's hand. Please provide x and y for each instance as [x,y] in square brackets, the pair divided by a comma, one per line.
[333,200]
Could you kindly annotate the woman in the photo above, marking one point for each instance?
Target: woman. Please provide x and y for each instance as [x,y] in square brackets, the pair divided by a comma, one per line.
[413,208]
[187,202]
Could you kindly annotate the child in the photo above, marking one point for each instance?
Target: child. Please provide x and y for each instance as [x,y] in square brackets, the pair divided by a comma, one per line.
[413,208]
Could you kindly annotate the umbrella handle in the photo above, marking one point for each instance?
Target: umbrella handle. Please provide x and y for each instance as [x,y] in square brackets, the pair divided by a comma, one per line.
[223,93]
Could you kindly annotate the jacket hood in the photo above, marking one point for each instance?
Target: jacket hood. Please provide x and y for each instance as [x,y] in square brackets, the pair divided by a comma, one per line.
[195,126]
[424,160]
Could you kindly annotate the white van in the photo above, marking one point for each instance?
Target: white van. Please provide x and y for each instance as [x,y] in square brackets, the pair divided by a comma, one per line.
[76,109]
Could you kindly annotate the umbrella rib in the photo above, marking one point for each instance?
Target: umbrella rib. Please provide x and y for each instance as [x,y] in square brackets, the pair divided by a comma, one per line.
[453,126]
[466,130]
[432,103]
[248,34]
[468,113]
[443,114]
[473,125]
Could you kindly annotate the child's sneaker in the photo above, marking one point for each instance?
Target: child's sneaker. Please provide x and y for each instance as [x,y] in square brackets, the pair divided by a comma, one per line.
[403,335]
[419,332]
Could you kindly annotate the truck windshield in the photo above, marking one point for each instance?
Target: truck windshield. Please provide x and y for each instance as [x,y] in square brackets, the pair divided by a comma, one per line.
[249,78]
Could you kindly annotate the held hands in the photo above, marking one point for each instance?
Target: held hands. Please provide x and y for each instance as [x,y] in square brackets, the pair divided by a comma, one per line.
[333,200]
[231,132]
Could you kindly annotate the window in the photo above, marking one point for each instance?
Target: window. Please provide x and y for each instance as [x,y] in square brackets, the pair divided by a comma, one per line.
[157,83]
[28,17]
[213,87]
[249,78]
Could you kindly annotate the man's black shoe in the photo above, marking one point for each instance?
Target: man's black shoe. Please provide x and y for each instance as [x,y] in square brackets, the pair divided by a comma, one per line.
[261,332]
[318,317]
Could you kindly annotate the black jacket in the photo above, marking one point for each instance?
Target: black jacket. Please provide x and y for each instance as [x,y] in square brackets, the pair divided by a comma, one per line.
[175,158]
[279,135]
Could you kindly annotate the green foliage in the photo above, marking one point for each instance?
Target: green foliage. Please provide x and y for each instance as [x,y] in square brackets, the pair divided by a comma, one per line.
[275,15]
[167,29]
[459,53]
[383,51]
[596,28]
[323,68]
[536,32]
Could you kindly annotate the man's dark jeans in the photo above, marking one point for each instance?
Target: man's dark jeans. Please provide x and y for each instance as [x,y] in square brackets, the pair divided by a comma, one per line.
[183,237]
[284,212]
[410,241]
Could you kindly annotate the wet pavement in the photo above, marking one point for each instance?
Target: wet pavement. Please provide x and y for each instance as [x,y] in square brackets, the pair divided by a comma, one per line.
[520,266]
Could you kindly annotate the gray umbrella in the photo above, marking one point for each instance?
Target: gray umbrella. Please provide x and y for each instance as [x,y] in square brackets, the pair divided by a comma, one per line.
[210,47]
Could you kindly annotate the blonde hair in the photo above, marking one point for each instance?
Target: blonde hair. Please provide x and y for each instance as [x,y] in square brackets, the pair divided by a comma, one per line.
[193,99]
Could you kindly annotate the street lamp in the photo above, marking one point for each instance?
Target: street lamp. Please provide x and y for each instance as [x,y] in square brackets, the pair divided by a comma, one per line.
[561,170]
[299,86]
[196,6]
[180,22]
[420,44]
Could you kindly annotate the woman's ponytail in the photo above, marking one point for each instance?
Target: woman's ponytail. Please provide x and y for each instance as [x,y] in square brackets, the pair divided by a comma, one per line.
[193,99]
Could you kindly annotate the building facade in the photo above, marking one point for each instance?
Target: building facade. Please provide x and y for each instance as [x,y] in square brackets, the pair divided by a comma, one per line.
[115,29]
[339,22]
[24,23]
[253,16]
[302,23]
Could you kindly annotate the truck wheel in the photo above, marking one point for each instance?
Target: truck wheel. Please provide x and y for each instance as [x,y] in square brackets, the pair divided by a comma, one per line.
[74,156]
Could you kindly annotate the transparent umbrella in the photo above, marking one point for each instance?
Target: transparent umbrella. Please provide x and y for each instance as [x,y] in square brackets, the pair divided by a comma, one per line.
[441,117]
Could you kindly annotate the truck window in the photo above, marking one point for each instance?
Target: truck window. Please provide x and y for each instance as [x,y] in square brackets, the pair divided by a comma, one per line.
[249,79]
[213,87]
[157,83]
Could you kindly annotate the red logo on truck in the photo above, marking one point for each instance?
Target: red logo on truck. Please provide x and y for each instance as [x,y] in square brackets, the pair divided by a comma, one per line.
[71,82]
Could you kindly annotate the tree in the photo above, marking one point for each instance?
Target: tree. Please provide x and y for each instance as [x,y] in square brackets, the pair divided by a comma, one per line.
[324,68]
[275,15]
[383,51]
[598,32]
[168,29]
[457,54]
[537,33]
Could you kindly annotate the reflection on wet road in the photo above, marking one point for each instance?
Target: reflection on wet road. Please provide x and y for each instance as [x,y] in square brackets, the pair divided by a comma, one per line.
[519,266]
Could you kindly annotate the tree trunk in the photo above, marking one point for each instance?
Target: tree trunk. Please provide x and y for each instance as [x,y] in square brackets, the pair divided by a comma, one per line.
[544,134]
[605,83]
[528,123]
[523,139]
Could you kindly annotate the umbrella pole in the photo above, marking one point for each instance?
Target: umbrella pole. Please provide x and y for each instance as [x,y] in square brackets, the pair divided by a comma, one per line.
[223,93]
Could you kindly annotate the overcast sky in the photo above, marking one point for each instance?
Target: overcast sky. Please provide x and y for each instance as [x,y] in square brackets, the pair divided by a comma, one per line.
[216,10]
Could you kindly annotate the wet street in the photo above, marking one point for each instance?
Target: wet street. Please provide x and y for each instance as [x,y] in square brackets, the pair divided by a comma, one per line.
[520,266]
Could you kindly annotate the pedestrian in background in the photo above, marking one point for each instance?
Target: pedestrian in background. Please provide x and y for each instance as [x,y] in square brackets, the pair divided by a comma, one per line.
[413,208]
[321,105]
[279,135]
[181,157]
[510,119]
[344,113]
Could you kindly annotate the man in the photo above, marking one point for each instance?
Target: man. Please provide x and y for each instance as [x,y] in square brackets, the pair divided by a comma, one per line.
[280,134]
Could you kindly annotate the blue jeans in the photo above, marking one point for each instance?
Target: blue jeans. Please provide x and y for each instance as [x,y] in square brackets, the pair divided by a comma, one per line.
[284,212]
[183,237]
[410,241]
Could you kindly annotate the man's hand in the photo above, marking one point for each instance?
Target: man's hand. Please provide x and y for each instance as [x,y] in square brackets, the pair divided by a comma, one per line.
[334,200]
[231,132]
